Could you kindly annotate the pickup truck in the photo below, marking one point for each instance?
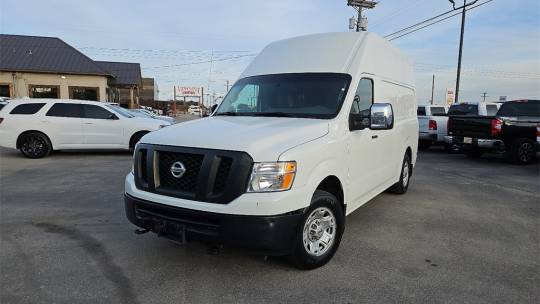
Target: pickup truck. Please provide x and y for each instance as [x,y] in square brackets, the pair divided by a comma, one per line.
[513,131]
[315,127]
[432,121]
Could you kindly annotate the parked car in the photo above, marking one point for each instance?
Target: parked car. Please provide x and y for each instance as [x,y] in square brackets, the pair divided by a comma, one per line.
[308,134]
[3,102]
[474,109]
[38,126]
[432,120]
[150,114]
[514,131]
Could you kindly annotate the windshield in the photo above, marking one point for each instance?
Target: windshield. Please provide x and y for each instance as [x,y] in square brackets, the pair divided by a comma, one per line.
[307,95]
[463,109]
[120,111]
[138,113]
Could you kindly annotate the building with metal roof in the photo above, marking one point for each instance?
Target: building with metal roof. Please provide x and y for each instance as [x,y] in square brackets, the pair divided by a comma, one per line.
[48,67]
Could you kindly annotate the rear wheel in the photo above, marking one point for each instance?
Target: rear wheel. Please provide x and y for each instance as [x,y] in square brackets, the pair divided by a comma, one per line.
[34,145]
[406,170]
[320,233]
[522,151]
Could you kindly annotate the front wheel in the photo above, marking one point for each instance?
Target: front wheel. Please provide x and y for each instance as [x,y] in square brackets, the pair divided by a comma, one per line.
[320,233]
[35,145]
[406,171]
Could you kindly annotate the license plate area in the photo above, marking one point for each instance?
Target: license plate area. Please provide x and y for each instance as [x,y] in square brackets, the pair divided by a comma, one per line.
[467,140]
[171,230]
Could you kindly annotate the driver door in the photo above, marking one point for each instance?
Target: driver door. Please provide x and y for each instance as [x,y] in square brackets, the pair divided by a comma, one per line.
[365,150]
[102,129]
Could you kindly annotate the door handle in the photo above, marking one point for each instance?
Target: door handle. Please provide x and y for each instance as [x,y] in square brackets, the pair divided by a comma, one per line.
[88,123]
[374,136]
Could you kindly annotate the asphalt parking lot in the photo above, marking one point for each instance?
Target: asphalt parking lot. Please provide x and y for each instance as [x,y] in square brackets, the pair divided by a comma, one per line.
[466,232]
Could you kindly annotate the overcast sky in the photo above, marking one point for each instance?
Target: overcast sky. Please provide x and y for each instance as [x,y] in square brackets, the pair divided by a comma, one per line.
[174,41]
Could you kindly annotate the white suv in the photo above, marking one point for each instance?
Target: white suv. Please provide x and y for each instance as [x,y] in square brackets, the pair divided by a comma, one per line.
[38,126]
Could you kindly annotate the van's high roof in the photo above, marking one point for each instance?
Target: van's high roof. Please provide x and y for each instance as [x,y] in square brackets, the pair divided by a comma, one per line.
[348,53]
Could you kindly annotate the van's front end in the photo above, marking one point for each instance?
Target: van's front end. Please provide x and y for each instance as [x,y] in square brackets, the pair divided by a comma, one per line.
[224,179]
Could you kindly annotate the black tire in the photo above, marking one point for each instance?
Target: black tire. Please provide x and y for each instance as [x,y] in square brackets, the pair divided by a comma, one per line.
[321,202]
[34,145]
[473,153]
[402,185]
[135,139]
[522,151]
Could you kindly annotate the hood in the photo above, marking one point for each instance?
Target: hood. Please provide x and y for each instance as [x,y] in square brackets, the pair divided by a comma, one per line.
[264,138]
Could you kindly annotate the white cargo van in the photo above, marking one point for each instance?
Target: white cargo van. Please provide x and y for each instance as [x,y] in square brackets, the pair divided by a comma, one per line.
[315,127]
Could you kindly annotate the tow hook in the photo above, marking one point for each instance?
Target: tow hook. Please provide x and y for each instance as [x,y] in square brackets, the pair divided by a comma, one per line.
[141,231]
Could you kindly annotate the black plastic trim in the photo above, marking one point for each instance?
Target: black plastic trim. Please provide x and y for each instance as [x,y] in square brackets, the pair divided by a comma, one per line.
[235,185]
[266,234]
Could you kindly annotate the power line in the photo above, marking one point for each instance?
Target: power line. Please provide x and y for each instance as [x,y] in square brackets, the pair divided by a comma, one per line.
[413,28]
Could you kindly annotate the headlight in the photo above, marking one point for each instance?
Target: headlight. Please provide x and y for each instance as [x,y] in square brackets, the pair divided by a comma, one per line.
[270,177]
[163,126]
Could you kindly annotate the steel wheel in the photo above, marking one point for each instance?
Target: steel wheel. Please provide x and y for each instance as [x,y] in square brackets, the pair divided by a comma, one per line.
[319,231]
[405,173]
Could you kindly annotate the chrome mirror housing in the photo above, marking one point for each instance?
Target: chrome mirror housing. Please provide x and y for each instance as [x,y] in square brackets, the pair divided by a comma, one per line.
[382,116]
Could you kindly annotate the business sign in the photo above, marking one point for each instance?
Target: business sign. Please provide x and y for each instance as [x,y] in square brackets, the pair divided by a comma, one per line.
[450,96]
[188,91]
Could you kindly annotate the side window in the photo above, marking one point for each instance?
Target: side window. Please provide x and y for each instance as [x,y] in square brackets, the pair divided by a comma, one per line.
[421,111]
[27,108]
[363,98]
[95,112]
[491,110]
[65,110]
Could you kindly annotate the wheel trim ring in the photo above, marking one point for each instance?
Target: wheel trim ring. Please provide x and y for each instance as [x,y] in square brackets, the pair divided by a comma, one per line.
[315,236]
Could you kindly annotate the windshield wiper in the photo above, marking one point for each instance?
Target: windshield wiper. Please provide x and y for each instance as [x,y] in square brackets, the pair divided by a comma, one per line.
[273,114]
[227,114]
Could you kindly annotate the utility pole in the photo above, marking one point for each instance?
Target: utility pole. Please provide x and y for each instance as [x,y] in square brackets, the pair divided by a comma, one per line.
[227,86]
[432,87]
[464,9]
[359,5]
[484,95]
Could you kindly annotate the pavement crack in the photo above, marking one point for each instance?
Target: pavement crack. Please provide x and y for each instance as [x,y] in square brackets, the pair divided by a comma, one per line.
[98,252]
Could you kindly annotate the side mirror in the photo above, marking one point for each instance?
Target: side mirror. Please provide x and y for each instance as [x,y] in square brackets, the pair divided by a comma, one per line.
[382,116]
[358,121]
[112,116]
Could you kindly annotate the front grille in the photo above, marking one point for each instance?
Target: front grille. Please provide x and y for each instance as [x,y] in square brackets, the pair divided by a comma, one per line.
[222,174]
[188,181]
[214,176]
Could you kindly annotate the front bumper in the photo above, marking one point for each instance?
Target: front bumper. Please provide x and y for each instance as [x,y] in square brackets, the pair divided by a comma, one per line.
[266,234]
[475,142]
